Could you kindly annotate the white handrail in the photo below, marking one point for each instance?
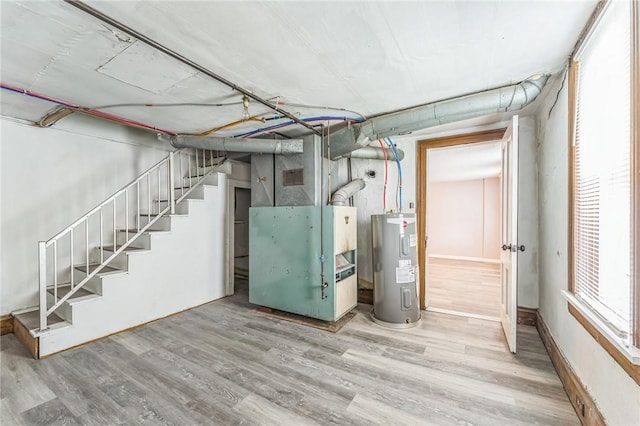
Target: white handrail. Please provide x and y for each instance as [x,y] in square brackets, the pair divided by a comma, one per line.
[107,201]
[163,176]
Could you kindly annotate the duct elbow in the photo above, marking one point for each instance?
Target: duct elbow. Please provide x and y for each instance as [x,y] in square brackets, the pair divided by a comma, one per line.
[173,141]
[531,88]
[340,197]
[539,81]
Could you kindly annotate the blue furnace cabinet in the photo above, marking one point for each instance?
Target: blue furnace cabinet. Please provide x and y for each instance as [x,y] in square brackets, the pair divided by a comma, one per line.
[287,269]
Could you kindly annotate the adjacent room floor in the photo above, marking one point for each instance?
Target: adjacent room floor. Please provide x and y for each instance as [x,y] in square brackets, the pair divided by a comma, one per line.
[227,363]
[464,286]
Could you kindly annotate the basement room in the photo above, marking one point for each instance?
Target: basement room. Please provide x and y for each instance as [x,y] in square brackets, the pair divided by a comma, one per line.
[320,212]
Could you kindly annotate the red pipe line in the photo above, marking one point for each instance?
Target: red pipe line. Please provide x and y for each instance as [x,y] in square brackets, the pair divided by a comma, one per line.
[37,95]
[386,175]
[86,110]
[126,121]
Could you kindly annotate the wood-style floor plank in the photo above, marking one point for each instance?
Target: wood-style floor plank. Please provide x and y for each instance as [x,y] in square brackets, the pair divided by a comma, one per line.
[226,363]
[464,286]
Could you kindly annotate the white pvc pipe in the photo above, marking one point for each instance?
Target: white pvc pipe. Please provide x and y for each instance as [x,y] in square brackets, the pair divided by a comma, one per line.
[340,197]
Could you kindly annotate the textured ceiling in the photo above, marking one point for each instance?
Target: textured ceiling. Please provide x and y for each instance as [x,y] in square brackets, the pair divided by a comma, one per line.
[369,57]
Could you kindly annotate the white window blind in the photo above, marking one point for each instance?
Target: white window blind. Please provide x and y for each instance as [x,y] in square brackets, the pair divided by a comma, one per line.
[602,190]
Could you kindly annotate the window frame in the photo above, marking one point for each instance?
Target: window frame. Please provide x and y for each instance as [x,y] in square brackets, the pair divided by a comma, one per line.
[627,356]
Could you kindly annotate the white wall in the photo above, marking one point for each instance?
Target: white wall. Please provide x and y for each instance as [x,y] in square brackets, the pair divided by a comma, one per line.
[50,177]
[369,201]
[464,219]
[615,393]
[528,280]
[492,207]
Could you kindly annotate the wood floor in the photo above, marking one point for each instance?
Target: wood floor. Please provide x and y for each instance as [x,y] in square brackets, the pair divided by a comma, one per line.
[226,363]
[464,286]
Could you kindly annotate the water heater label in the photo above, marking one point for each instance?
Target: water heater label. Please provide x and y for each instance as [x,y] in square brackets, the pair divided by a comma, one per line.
[404,263]
[413,241]
[405,275]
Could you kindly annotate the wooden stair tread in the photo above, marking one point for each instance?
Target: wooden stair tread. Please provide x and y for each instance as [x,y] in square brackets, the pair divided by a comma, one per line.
[190,199]
[166,214]
[219,163]
[93,266]
[195,177]
[127,249]
[150,231]
[31,320]
[64,289]
[187,188]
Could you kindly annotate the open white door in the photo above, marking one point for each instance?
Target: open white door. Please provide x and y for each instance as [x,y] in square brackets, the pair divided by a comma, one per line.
[509,234]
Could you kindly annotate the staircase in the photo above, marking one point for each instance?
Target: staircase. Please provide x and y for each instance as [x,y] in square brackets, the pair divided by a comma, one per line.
[153,248]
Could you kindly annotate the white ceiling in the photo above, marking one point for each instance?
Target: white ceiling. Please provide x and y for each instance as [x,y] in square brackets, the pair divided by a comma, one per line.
[371,57]
[465,162]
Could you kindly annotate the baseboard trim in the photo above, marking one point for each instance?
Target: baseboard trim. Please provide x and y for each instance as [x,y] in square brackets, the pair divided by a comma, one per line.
[469,259]
[579,397]
[6,324]
[527,316]
[463,314]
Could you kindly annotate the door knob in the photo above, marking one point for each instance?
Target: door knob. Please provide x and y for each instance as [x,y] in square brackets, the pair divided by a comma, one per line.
[506,247]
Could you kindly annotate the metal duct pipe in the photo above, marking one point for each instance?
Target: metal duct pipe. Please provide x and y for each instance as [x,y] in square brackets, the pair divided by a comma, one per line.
[257,146]
[503,99]
[373,153]
[340,197]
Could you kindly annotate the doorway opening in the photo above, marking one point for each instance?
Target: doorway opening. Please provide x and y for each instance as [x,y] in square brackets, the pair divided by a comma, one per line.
[461,266]
[241,204]
[241,233]
[463,229]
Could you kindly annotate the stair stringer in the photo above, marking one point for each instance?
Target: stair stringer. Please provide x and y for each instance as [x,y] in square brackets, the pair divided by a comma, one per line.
[184,268]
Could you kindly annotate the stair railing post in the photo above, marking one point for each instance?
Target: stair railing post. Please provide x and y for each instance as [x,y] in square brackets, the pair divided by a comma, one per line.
[42,277]
[172,202]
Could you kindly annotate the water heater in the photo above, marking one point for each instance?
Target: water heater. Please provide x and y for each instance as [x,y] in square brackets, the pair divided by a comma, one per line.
[395,268]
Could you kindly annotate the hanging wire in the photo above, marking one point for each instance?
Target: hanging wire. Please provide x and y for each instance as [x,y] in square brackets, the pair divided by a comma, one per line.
[95,112]
[226,126]
[564,77]
[329,108]
[291,122]
[278,103]
[167,105]
[85,110]
[386,177]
